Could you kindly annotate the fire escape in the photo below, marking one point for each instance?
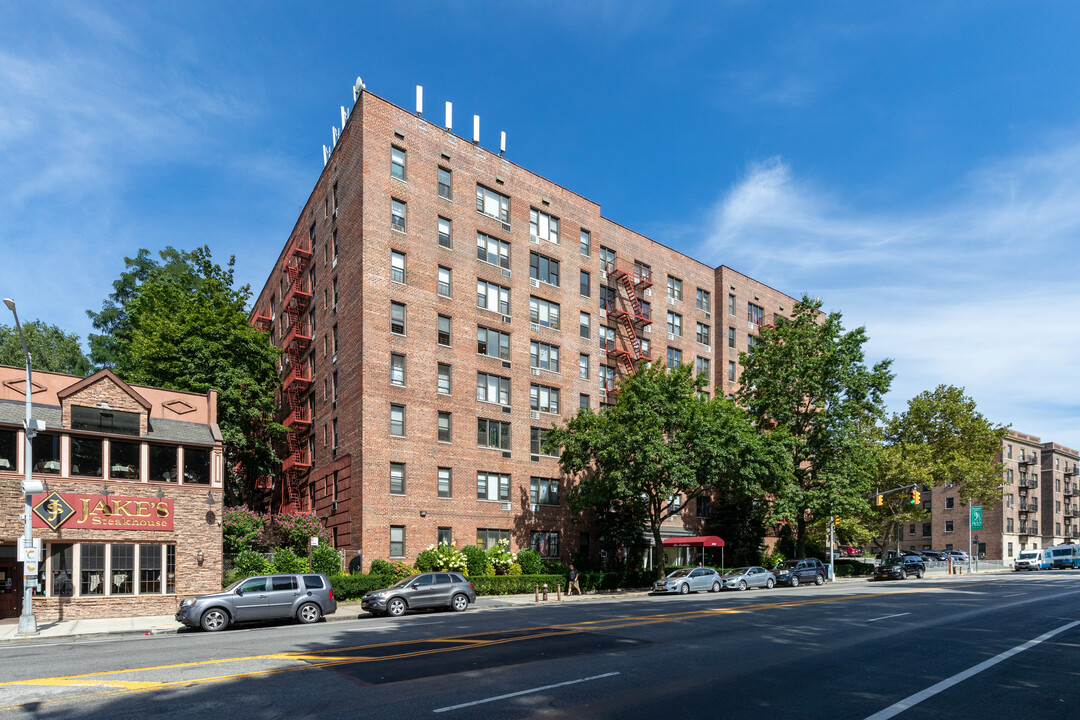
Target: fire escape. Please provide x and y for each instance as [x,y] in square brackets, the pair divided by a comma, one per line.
[296,340]
[261,319]
[631,317]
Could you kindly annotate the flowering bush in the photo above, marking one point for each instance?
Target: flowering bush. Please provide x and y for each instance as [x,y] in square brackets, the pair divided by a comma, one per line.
[402,570]
[476,559]
[449,559]
[293,530]
[500,557]
[241,529]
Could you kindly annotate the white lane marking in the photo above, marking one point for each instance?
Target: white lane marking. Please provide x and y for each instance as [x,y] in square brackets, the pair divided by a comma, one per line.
[912,700]
[1013,595]
[886,617]
[524,692]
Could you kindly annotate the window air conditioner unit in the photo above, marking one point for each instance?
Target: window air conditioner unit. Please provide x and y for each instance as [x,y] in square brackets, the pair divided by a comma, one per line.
[708,315]
[506,272]
[506,506]
[534,414]
[671,336]
[534,327]
[506,319]
[533,239]
[535,371]
[648,328]
[534,282]
[534,507]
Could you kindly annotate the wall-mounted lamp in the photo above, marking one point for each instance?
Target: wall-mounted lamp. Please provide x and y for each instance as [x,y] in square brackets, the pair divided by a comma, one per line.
[423,513]
[199,557]
[210,498]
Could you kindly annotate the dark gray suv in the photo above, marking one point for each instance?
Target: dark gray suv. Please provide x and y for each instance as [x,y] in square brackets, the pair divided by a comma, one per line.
[306,597]
[426,590]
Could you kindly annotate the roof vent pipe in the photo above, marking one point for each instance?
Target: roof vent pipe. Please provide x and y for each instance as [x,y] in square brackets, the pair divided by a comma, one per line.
[419,99]
[449,115]
[476,128]
[502,143]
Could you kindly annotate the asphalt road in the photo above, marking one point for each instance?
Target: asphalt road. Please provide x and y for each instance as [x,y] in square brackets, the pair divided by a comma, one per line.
[998,646]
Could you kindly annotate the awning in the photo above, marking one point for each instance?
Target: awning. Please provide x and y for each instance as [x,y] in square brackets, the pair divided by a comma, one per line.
[696,541]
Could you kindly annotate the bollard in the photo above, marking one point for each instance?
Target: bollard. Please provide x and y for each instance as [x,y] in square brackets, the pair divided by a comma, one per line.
[558,592]
[537,593]
[545,591]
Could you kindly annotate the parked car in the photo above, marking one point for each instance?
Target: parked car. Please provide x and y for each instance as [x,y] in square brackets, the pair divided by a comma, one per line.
[1033,560]
[898,568]
[797,572]
[931,555]
[689,580]
[306,597]
[748,577]
[425,590]
[851,551]
[956,555]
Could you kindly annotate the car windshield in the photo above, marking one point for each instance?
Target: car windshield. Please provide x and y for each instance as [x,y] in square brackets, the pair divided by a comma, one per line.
[1028,555]
[404,581]
[234,585]
[894,561]
[737,571]
[679,573]
[789,565]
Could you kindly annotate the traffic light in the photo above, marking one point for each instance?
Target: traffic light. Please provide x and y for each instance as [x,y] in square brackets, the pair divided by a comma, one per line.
[836,520]
[915,496]
[880,500]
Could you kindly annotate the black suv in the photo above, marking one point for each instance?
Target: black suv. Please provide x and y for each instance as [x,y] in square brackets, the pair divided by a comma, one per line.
[797,572]
[898,568]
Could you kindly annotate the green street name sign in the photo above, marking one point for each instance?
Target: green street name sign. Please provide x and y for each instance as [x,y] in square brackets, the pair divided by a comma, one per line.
[976,518]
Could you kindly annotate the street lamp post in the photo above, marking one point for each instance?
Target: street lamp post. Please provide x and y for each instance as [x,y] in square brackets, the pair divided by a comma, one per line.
[27,621]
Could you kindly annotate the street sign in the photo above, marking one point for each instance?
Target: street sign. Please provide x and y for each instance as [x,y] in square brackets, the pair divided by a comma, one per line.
[30,568]
[31,552]
[976,517]
[313,540]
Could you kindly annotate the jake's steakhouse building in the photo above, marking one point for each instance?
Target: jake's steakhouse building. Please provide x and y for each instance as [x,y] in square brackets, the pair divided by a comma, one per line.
[129,521]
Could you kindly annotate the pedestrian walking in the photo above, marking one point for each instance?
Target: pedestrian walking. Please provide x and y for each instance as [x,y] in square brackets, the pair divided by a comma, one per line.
[573,582]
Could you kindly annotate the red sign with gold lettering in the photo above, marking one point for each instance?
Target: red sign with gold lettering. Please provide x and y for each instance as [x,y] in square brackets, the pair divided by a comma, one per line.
[71,510]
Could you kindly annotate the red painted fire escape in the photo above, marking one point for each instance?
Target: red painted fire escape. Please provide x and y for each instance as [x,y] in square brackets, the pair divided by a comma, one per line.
[297,379]
[630,316]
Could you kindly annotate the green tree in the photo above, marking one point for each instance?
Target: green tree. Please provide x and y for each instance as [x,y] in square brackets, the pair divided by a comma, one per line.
[658,442]
[806,379]
[51,349]
[181,324]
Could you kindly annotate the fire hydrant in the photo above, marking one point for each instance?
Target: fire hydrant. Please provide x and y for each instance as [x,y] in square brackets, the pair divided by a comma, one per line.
[545,591]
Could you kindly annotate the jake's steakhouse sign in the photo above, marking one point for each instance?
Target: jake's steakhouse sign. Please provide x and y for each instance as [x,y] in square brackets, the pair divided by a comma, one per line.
[70,510]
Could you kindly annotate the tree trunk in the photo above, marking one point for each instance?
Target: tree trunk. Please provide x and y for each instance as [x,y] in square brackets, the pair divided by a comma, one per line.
[800,538]
[658,552]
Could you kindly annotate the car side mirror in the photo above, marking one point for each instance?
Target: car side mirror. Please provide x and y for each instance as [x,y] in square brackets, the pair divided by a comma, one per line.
[239,591]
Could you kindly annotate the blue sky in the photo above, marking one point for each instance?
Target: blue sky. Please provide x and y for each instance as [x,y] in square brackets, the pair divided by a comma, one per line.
[916,165]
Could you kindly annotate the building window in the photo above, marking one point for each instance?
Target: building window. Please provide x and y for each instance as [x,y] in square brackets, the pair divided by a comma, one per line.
[585,284]
[731,370]
[444,183]
[122,570]
[642,272]
[443,384]
[544,491]
[543,356]
[544,399]
[397,215]
[583,366]
[607,378]
[397,163]
[493,434]
[490,296]
[755,314]
[674,357]
[443,336]
[397,369]
[702,367]
[333,428]
[62,569]
[492,486]
[543,226]
[546,543]
[703,333]
[333,390]
[583,401]
[1008,451]
[492,388]
[488,538]
[674,324]
[445,536]
[92,572]
[124,459]
[492,250]
[397,420]
[444,232]
[444,483]
[536,441]
[607,259]
[703,507]
[674,288]
[444,426]
[586,243]
[543,269]
[948,526]
[1010,550]
[444,281]
[731,337]
[397,318]
[583,325]
[543,312]
[703,300]
[397,478]
[397,541]
[492,204]
[333,308]
[950,502]
[607,337]
[86,458]
[492,343]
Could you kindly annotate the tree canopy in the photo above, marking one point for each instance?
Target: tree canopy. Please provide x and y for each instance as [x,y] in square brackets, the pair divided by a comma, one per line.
[658,446]
[51,349]
[181,324]
[805,378]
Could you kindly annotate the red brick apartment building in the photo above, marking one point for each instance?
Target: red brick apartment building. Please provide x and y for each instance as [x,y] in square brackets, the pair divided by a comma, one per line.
[1038,507]
[440,307]
[129,519]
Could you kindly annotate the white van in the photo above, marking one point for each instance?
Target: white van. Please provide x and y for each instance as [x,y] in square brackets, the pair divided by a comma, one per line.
[1032,560]
[1064,556]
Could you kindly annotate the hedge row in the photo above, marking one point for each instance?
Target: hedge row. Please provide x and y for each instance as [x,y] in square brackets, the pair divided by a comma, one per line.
[853,568]
[353,587]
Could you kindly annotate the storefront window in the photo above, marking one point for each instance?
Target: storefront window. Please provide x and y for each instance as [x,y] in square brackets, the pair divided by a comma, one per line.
[163,463]
[85,457]
[197,466]
[46,448]
[61,559]
[124,458]
[9,441]
[149,568]
[92,575]
[123,570]
[170,568]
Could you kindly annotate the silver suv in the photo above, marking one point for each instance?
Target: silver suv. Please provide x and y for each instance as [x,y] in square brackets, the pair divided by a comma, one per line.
[426,590]
[306,597]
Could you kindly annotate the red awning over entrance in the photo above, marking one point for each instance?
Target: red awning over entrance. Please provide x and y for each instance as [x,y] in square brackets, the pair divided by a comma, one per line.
[697,541]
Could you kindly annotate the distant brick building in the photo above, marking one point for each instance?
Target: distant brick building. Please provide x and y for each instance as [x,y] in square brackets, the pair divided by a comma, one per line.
[129,520]
[439,308]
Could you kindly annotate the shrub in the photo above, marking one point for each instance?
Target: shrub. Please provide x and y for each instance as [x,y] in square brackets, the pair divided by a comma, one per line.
[293,530]
[771,560]
[425,561]
[249,563]
[241,529]
[489,571]
[286,561]
[530,561]
[515,569]
[401,570]
[353,587]
[381,567]
[513,584]
[554,567]
[500,557]
[326,560]
[475,560]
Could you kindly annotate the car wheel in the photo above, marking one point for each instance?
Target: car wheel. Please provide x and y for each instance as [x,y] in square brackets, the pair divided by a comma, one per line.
[769,584]
[308,613]
[214,619]
[742,584]
[819,579]
[715,587]
[396,607]
[460,603]
[903,574]
[684,588]
[918,574]
[794,581]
